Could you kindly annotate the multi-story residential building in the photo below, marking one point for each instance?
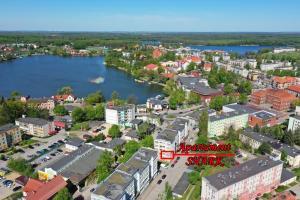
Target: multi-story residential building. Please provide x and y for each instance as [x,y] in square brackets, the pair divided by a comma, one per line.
[246,181]
[35,126]
[130,178]
[219,124]
[280,99]
[271,66]
[294,123]
[120,115]
[156,104]
[173,135]
[283,82]
[9,135]
[256,139]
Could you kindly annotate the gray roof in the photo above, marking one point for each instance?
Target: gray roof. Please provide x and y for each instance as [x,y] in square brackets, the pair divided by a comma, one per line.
[70,108]
[132,166]
[243,171]
[35,121]
[113,187]
[286,175]
[182,185]
[7,127]
[194,84]
[178,124]
[276,144]
[167,134]
[121,108]
[72,157]
[247,108]
[136,121]
[145,154]
[75,142]
[133,134]
[195,115]
[112,144]
[226,115]
[156,101]
[263,115]
[82,167]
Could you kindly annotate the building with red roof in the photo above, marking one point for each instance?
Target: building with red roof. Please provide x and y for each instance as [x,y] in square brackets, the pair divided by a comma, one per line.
[283,82]
[294,89]
[157,53]
[207,66]
[64,98]
[150,67]
[38,190]
[169,75]
[280,99]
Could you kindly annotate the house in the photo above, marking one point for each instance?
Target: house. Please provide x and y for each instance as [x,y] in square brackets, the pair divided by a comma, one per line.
[62,122]
[198,86]
[120,115]
[207,66]
[256,139]
[181,186]
[48,104]
[136,123]
[283,82]
[141,109]
[279,99]
[157,53]
[132,135]
[110,146]
[151,67]
[35,126]
[64,98]
[73,144]
[156,104]
[245,181]
[294,123]
[10,135]
[38,190]
[294,90]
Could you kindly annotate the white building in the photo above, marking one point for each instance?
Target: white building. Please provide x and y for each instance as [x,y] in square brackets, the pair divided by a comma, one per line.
[246,181]
[129,179]
[120,115]
[294,123]
[284,49]
[35,126]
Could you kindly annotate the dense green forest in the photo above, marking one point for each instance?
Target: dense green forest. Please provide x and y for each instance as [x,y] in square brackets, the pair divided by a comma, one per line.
[82,39]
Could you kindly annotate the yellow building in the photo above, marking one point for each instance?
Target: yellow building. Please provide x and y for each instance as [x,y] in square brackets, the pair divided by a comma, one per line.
[9,135]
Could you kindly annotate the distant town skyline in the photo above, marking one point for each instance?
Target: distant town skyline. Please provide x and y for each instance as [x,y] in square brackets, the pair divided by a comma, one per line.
[151,16]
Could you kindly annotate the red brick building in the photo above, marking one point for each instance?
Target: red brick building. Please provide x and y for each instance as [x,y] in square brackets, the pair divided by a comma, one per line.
[294,90]
[262,118]
[280,99]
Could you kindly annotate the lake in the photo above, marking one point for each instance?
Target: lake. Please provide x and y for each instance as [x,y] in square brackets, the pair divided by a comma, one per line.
[237,49]
[42,76]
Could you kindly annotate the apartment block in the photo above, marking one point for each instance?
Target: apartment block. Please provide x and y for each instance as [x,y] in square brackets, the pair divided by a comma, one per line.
[130,178]
[279,99]
[9,135]
[283,82]
[246,181]
[35,126]
[256,139]
[120,115]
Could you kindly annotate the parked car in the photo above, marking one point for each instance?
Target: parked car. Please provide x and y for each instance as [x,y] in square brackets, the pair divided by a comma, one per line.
[92,190]
[7,183]
[159,181]
[30,147]
[52,154]
[164,176]
[17,188]
[172,165]
[59,150]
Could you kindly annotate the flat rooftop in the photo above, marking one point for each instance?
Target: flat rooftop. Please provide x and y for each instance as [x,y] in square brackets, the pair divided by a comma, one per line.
[241,172]
[167,134]
[182,185]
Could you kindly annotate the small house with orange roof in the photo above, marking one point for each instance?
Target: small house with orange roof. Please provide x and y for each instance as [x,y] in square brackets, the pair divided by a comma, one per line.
[151,67]
[157,53]
[283,82]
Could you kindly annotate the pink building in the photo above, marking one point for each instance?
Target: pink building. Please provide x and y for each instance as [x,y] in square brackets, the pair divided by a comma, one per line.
[244,182]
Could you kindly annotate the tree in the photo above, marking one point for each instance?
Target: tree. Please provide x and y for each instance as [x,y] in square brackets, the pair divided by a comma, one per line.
[118,150]
[167,194]
[256,128]
[20,165]
[203,123]
[114,96]
[217,102]
[114,131]
[191,67]
[288,138]
[15,94]
[228,89]
[283,156]
[104,166]
[232,134]
[193,177]
[194,98]
[243,99]
[202,139]
[297,136]
[245,87]
[65,90]
[130,148]
[169,87]
[148,141]
[173,103]
[94,98]
[264,148]
[78,115]
[63,194]
[132,99]
[143,130]
[60,110]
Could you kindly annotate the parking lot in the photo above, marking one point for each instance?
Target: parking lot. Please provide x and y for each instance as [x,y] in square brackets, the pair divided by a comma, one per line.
[8,187]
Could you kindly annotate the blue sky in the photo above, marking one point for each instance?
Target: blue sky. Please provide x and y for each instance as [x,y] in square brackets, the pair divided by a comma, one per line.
[151,15]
